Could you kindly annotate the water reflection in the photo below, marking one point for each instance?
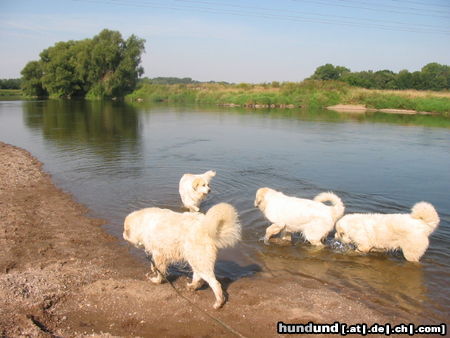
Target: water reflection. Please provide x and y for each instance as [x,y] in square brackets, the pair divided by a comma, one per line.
[104,126]
[317,114]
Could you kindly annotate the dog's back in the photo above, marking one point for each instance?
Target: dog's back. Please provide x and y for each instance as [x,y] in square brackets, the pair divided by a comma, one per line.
[294,211]
[139,224]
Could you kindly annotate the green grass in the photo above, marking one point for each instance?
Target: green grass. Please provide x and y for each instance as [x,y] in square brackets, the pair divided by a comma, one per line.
[308,94]
[304,94]
[397,101]
[11,93]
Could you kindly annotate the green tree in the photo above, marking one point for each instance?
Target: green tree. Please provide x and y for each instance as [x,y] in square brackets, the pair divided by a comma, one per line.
[384,79]
[32,79]
[104,66]
[10,83]
[432,76]
[435,76]
[329,72]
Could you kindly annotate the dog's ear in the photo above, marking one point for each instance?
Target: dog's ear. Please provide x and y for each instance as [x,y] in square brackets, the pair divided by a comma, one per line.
[260,197]
[196,183]
[259,200]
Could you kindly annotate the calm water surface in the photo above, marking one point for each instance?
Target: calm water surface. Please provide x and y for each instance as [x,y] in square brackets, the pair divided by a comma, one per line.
[116,158]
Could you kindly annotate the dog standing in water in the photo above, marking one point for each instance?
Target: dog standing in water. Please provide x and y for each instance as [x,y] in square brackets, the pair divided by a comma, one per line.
[291,214]
[408,232]
[194,189]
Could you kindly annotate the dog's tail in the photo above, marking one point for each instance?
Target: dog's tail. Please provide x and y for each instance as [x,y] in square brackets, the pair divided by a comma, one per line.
[338,206]
[221,223]
[427,213]
[210,174]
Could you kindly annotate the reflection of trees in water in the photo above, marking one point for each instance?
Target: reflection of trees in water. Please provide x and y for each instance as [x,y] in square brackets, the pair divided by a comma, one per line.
[105,126]
[332,116]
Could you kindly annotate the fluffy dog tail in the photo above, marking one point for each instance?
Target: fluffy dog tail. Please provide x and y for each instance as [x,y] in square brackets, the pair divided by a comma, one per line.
[427,213]
[338,206]
[221,223]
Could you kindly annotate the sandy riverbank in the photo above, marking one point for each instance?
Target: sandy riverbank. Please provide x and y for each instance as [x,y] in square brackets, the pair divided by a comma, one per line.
[61,274]
[358,108]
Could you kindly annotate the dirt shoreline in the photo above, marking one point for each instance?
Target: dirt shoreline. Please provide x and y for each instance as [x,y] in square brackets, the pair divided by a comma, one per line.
[361,109]
[61,274]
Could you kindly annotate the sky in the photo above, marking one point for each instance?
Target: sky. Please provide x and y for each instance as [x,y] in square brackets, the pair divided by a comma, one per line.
[238,41]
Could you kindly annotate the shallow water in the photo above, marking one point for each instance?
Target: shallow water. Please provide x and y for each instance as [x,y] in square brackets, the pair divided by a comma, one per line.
[116,158]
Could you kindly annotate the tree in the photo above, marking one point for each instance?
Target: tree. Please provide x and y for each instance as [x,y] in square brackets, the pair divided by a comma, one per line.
[435,76]
[32,79]
[329,72]
[384,79]
[432,76]
[10,83]
[104,66]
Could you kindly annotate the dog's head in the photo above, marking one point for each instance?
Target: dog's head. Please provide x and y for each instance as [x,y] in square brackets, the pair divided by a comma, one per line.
[260,200]
[201,186]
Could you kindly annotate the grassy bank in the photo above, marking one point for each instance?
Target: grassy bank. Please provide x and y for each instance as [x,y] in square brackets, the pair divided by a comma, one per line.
[306,94]
[437,102]
[16,93]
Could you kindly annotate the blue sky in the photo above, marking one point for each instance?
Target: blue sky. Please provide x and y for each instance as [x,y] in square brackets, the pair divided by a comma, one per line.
[238,41]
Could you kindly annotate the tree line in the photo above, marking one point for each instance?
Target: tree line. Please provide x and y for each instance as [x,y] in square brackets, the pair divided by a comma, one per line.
[10,83]
[104,66]
[432,76]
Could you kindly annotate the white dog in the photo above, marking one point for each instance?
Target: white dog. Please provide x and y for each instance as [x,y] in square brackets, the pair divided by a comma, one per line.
[191,236]
[291,214]
[194,188]
[408,232]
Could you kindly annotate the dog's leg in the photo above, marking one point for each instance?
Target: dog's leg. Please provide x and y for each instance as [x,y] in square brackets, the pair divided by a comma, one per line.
[286,235]
[217,289]
[272,230]
[152,269]
[203,267]
[314,233]
[364,248]
[160,265]
[196,282]
[194,209]
[414,249]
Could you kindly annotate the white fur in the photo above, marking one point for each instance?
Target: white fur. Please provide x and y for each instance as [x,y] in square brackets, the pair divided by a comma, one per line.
[190,236]
[194,188]
[408,232]
[291,214]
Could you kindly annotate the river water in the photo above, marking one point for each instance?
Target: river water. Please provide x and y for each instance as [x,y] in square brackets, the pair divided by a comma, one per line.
[116,158]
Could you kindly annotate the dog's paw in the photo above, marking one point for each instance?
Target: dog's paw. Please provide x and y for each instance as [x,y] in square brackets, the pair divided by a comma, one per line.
[218,304]
[192,286]
[156,280]
[266,241]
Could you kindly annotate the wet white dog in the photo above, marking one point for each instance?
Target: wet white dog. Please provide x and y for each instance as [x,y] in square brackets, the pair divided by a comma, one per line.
[312,218]
[381,232]
[190,236]
[194,188]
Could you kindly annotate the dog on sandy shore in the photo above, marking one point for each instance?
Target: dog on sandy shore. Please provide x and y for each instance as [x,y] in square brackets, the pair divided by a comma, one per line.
[382,232]
[312,218]
[194,189]
[194,237]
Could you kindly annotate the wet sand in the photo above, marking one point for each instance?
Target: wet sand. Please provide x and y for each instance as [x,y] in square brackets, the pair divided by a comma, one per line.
[61,274]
